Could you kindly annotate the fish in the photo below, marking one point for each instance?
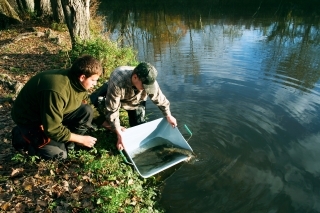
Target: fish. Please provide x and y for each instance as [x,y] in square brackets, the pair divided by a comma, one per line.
[160,155]
[189,153]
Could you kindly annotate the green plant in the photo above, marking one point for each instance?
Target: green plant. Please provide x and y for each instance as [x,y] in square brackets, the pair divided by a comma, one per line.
[106,51]
[101,168]
[19,158]
[25,159]
[61,27]
[52,205]
[15,69]
[34,159]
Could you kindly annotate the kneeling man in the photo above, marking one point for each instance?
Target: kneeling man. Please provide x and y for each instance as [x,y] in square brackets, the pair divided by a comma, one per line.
[50,112]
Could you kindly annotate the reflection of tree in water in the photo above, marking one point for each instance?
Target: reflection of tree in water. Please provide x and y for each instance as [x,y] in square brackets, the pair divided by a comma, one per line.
[158,27]
[297,41]
[154,28]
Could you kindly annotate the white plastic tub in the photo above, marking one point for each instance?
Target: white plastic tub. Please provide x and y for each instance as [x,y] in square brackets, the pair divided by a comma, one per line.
[138,139]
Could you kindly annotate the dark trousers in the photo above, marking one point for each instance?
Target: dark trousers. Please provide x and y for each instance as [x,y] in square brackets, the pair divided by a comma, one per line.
[77,121]
[136,116]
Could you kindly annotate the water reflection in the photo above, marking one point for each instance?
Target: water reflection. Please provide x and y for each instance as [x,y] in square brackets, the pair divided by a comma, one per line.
[247,85]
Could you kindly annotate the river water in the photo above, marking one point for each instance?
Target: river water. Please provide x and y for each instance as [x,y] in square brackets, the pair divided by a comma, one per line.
[246,83]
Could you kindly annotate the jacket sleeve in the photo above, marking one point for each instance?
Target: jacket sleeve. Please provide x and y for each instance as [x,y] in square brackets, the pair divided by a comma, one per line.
[113,105]
[52,105]
[159,99]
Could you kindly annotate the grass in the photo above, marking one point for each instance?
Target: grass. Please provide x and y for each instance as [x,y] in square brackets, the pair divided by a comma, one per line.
[117,187]
[96,180]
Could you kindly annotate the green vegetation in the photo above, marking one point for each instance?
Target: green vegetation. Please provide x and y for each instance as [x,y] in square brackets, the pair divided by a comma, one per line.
[106,51]
[59,27]
[112,185]
[117,186]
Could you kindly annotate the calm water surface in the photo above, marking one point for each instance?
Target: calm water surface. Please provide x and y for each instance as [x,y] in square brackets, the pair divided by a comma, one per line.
[247,86]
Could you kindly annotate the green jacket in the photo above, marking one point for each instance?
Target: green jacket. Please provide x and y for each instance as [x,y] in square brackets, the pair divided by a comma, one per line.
[45,99]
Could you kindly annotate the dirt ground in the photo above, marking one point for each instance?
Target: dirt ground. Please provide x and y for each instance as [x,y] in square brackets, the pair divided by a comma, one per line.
[25,49]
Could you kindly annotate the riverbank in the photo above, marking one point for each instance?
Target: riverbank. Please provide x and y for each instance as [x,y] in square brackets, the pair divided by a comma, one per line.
[89,181]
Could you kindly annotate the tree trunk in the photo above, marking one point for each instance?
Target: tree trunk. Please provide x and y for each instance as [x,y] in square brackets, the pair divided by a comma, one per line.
[7,14]
[43,7]
[57,11]
[26,5]
[6,9]
[75,13]
[77,16]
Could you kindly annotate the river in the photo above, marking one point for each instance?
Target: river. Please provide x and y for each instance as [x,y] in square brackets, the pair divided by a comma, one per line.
[246,83]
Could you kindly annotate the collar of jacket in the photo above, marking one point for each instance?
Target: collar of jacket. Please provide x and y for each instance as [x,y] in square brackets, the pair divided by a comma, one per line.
[75,83]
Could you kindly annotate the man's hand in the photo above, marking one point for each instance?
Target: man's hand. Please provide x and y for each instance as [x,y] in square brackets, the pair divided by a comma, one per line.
[172,121]
[118,131]
[119,134]
[88,141]
[83,140]
[119,144]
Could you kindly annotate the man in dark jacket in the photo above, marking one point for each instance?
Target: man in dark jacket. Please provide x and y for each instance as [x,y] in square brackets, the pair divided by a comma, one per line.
[50,111]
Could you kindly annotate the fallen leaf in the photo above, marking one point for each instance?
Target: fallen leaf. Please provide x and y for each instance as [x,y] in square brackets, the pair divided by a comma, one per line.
[42,203]
[65,185]
[127,201]
[86,178]
[130,182]
[77,189]
[66,176]
[28,187]
[88,189]
[16,172]
[37,176]
[75,196]
[58,170]
[20,208]
[38,209]
[28,184]
[5,206]
[52,172]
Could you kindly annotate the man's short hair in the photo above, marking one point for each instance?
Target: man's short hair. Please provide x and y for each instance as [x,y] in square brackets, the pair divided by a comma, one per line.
[147,74]
[86,65]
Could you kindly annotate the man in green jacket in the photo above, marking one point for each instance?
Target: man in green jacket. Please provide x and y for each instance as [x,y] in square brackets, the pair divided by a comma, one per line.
[50,112]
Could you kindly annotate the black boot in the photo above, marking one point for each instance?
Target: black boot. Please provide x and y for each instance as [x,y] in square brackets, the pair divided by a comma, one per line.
[18,142]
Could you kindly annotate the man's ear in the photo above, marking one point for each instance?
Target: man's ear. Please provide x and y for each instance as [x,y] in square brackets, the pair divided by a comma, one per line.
[135,77]
[82,78]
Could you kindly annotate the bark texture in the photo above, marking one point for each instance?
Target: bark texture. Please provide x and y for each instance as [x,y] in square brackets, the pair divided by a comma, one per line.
[43,7]
[26,5]
[6,9]
[57,11]
[75,13]
[77,16]
[7,14]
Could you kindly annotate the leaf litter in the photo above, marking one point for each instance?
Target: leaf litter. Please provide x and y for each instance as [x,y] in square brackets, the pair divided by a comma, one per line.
[26,187]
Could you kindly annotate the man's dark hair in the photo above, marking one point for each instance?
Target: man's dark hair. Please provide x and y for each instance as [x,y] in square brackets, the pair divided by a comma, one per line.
[146,73]
[86,65]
